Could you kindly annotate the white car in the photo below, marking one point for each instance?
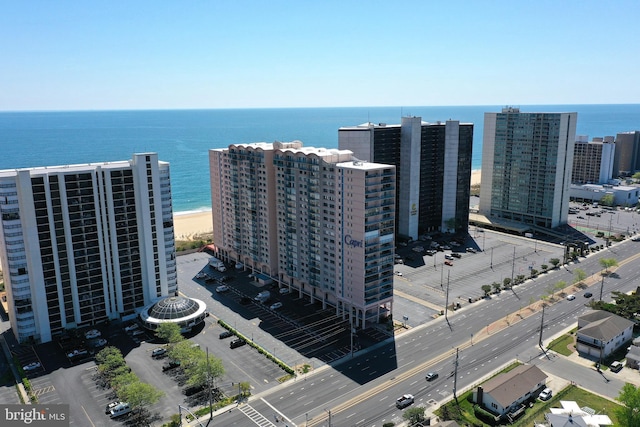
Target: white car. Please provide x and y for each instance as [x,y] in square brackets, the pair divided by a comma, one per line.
[222,288]
[545,394]
[97,343]
[158,352]
[201,275]
[31,366]
[131,327]
[449,257]
[92,334]
[284,291]
[276,306]
[571,297]
[404,401]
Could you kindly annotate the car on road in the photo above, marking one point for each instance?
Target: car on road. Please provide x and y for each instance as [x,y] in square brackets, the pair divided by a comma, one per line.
[222,288]
[276,306]
[158,352]
[404,401]
[31,366]
[616,366]
[93,333]
[431,376]
[588,295]
[571,297]
[225,334]
[238,342]
[449,263]
[545,394]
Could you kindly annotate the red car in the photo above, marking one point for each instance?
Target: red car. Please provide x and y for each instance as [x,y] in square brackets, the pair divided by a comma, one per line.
[447,262]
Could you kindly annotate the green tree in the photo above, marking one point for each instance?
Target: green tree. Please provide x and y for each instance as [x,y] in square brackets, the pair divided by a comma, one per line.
[578,275]
[486,289]
[534,272]
[201,370]
[169,332]
[636,176]
[607,200]
[496,287]
[139,395]
[122,377]
[629,414]
[414,415]
[544,267]
[554,262]
[559,286]
[507,282]
[607,263]
[186,353]
[106,352]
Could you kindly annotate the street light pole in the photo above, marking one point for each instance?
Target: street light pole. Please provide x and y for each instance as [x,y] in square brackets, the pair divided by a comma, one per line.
[329,412]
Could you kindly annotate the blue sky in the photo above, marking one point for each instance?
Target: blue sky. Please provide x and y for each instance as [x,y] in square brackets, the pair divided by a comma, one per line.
[157,54]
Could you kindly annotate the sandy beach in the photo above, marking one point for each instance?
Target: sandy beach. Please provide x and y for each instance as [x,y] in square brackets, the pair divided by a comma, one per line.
[475,177]
[188,225]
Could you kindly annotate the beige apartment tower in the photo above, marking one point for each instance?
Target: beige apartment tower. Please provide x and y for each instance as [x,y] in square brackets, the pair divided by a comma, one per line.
[315,220]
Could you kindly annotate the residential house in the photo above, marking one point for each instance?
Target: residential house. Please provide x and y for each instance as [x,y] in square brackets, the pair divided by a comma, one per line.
[633,355]
[601,333]
[574,416]
[506,392]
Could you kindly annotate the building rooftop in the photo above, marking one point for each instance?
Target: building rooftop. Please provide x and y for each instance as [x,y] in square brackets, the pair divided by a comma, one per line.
[508,387]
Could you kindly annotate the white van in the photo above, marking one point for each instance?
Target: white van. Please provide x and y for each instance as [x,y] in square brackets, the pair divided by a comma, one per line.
[120,410]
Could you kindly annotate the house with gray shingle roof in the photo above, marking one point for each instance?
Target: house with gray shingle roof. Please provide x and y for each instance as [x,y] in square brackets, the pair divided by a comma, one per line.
[601,333]
[506,392]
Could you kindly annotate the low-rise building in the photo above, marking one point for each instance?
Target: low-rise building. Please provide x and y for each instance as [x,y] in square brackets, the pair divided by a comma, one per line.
[507,392]
[601,333]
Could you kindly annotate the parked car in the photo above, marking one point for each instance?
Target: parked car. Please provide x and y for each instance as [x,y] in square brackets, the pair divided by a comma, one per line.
[201,275]
[132,327]
[237,343]
[284,291]
[120,410]
[159,352]
[398,273]
[276,306]
[194,389]
[93,333]
[97,343]
[431,376]
[225,334]
[616,366]
[171,365]
[472,250]
[456,255]
[448,257]
[222,288]
[31,366]
[404,401]
[110,406]
[545,394]
[449,263]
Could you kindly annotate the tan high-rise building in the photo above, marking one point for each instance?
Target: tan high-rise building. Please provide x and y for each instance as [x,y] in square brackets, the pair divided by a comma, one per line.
[593,161]
[313,219]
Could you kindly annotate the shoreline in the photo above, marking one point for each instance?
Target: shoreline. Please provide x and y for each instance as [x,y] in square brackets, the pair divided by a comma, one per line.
[189,224]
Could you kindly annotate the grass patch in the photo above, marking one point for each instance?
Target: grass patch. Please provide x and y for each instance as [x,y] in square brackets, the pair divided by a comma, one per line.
[561,345]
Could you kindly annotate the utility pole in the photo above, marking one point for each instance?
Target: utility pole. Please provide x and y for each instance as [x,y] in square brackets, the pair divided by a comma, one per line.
[601,287]
[329,412]
[209,386]
[513,265]
[541,327]
[455,377]
[491,266]
[446,302]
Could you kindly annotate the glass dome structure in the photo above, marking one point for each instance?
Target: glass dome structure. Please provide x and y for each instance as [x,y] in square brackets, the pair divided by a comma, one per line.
[186,312]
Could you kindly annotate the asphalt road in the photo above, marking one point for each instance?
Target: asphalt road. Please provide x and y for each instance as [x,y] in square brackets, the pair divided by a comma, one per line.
[362,390]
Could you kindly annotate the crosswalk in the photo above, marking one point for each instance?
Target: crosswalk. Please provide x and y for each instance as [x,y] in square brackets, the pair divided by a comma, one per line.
[255,416]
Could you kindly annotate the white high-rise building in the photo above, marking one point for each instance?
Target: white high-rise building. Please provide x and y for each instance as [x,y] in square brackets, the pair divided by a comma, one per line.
[83,244]
[527,160]
[593,161]
[316,220]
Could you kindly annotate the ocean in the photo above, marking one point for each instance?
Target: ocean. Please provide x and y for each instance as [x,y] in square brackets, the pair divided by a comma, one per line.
[183,137]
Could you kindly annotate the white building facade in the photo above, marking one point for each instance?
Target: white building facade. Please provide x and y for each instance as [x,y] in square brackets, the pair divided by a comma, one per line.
[85,244]
[316,220]
[527,161]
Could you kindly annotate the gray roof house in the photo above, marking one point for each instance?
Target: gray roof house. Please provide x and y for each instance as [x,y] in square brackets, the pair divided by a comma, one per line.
[601,333]
[506,392]
[633,355]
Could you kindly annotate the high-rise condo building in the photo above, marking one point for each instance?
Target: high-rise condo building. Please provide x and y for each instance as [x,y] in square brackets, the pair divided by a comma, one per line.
[316,220]
[84,244]
[627,157]
[433,164]
[593,161]
[527,160]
